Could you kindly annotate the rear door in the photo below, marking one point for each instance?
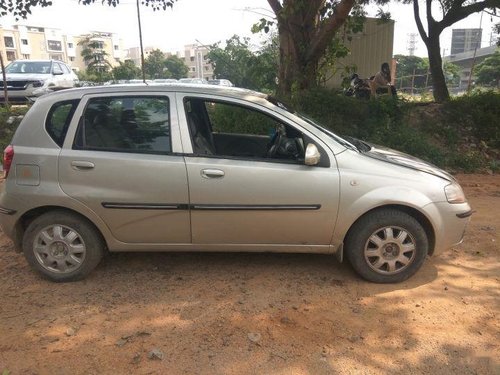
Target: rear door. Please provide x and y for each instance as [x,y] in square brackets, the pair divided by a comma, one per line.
[119,159]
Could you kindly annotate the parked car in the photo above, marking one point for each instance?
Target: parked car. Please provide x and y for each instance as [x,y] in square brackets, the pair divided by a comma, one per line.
[165,80]
[167,168]
[29,79]
[220,82]
[196,81]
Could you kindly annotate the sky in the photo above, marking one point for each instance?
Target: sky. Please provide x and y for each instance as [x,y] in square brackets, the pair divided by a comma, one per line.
[206,22]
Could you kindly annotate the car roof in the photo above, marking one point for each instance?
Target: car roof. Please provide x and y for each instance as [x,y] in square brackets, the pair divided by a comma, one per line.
[234,92]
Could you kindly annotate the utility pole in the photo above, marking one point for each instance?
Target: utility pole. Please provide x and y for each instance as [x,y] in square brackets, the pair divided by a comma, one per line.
[140,42]
[5,93]
[474,57]
[412,43]
[412,82]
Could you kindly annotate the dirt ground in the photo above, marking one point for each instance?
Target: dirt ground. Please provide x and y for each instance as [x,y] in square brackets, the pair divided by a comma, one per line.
[260,313]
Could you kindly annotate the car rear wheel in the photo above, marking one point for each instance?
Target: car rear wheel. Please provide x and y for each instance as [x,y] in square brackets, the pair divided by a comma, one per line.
[62,246]
[386,246]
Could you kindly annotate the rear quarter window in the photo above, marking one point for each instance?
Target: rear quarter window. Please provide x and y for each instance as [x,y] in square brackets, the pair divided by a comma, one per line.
[59,118]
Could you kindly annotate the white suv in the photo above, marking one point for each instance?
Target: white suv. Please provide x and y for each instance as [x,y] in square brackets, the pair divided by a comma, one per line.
[29,79]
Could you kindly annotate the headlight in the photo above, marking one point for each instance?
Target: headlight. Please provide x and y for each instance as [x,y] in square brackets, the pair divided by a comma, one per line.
[454,193]
[38,83]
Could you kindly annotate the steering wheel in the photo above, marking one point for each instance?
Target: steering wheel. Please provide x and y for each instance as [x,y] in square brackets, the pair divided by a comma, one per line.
[274,144]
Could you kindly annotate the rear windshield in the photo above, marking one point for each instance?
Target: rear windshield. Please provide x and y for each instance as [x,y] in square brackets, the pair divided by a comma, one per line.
[59,118]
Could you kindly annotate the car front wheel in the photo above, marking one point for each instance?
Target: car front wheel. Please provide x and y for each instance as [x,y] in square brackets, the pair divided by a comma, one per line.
[386,246]
[62,246]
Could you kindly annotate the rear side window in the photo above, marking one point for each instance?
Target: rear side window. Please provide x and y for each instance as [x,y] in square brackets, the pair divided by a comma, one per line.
[58,120]
[137,124]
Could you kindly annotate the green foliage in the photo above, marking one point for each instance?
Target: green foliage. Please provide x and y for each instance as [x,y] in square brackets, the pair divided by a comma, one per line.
[488,72]
[176,67]
[126,70]
[479,113]
[416,69]
[238,120]
[154,65]
[451,73]
[94,55]
[243,67]
[456,135]
[9,120]
[21,8]
[157,66]
[97,77]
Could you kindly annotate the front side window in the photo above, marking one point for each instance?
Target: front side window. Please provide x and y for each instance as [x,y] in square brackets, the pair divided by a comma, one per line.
[56,69]
[226,129]
[138,124]
[64,68]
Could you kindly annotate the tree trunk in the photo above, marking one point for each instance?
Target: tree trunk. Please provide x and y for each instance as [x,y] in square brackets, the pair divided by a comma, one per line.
[439,88]
[294,74]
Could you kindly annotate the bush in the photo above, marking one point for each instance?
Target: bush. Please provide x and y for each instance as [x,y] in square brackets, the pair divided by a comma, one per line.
[381,121]
[459,135]
[478,113]
[10,117]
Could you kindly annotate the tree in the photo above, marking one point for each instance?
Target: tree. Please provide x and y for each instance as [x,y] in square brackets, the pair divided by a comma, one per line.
[451,73]
[126,70]
[95,56]
[154,65]
[22,8]
[412,69]
[244,68]
[176,67]
[305,31]
[452,12]
[488,72]
[233,61]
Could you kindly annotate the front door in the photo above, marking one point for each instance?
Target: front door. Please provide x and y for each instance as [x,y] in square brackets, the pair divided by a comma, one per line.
[249,192]
[120,163]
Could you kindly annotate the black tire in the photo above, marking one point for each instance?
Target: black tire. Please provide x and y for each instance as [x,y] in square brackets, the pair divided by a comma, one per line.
[377,256]
[60,258]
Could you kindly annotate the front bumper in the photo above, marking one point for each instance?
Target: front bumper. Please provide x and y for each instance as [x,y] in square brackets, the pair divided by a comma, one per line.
[28,95]
[450,222]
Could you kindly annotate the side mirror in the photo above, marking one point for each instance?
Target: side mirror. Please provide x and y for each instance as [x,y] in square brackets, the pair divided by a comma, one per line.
[57,72]
[312,155]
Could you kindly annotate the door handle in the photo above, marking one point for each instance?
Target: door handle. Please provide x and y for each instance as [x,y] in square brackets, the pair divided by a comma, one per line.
[212,173]
[82,165]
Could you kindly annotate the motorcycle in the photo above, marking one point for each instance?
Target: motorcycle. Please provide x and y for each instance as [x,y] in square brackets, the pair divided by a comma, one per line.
[360,88]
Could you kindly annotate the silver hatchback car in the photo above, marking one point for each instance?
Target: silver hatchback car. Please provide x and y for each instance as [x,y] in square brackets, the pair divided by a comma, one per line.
[210,168]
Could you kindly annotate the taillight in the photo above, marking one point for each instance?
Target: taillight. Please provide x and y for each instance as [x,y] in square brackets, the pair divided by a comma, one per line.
[8,155]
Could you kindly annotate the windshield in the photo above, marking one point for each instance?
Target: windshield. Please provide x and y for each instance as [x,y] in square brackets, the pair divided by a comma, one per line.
[342,141]
[29,67]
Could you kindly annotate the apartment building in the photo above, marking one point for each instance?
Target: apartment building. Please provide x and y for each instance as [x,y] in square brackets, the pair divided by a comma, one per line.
[465,40]
[109,43]
[193,55]
[43,43]
[195,58]
[134,54]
